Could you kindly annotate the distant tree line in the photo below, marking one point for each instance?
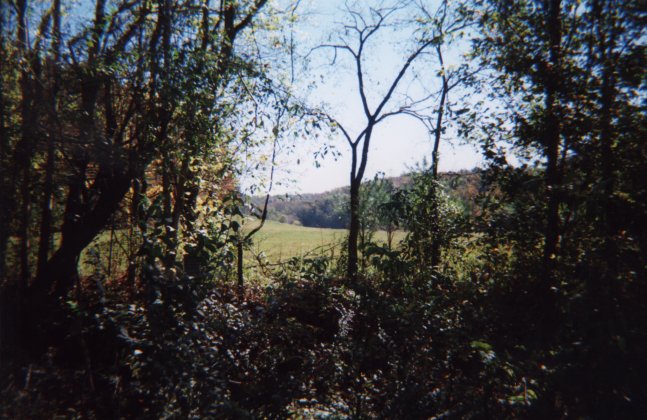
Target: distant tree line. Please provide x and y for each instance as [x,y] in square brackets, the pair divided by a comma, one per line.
[329,209]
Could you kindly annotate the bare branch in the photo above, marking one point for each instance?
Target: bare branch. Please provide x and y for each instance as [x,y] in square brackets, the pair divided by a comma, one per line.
[360,81]
[356,15]
[271,185]
[331,120]
[358,59]
[248,18]
[335,47]
[402,72]
[113,23]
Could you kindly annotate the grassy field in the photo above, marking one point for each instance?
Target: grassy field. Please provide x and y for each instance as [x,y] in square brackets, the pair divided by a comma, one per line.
[280,241]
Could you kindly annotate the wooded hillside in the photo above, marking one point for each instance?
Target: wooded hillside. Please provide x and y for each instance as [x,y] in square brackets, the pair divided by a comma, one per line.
[329,209]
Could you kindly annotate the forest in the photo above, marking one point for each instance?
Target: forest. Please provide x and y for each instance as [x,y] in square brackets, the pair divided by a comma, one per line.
[134,134]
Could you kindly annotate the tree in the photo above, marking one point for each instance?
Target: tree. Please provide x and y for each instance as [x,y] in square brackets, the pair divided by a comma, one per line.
[447,23]
[7,73]
[566,72]
[535,44]
[362,28]
[111,109]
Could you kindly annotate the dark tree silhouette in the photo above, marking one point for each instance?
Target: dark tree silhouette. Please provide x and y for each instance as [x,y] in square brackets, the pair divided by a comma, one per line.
[362,30]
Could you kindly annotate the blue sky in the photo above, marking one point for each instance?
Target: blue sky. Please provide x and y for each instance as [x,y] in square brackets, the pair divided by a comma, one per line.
[399,143]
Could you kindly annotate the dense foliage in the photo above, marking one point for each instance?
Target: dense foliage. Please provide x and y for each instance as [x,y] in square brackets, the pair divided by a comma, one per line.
[329,209]
[518,291]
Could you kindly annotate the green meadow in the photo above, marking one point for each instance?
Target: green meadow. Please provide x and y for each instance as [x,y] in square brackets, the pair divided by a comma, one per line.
[281,241]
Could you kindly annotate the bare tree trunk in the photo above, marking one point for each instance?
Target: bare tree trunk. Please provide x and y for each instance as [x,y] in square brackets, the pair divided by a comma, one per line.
[353,234]
[435,157]
[552,133]
[435,243]
[357,174]
[61,269]
[606,142]
[24,149]
[389,238]
[53,135]
[23,229]
[604,287]
[165,115]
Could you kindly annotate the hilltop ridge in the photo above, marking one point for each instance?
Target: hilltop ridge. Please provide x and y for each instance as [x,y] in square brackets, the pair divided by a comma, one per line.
[326,209]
